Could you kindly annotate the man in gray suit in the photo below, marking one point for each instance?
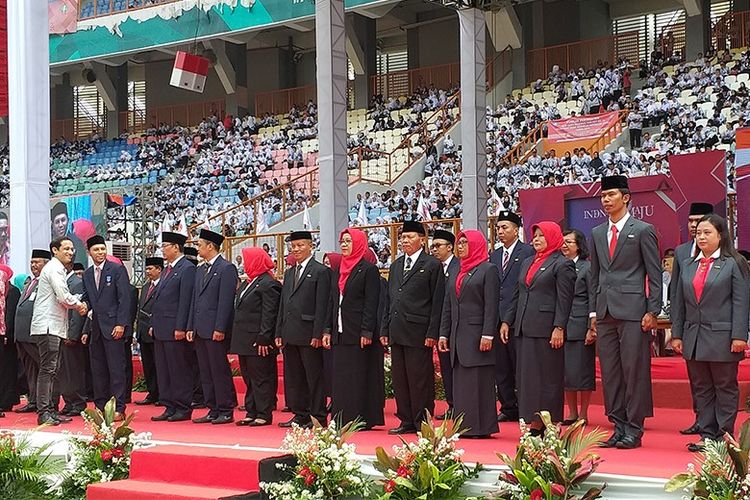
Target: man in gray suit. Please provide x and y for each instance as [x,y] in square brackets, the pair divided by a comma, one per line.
[625,255]
[683,252]
[442,249]
[71,372]
[28,352]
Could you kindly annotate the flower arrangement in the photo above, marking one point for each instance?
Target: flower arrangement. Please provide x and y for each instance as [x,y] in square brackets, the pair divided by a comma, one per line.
[104,458]
[327,466]
[26,471]
[431,468]
[722,472]
[552,466]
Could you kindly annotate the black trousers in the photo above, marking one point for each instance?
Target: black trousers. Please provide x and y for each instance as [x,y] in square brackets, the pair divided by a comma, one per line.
[216,376]
[108,371]
[635,138]
[28,354]
[305,383]
[72,376]
[49,358]
[413,383]
[446,372]
[197,396]
[148,361]
[505,376]
[261,377]
[128,369]
[717,396]
[174,374]
[625,360]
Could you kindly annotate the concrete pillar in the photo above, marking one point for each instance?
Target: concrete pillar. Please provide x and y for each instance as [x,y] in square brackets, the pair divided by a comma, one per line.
[473,99]
[29,105]
[118,75]
[330,49]
[740,5]
[361,39]
[698,31]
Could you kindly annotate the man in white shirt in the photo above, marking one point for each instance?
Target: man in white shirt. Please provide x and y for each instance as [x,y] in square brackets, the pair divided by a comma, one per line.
[49,325]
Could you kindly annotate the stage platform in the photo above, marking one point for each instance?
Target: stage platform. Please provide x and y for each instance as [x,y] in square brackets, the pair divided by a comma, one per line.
[194,461]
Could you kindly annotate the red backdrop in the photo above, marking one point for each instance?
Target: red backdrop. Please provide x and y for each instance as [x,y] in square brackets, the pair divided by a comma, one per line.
[3,58]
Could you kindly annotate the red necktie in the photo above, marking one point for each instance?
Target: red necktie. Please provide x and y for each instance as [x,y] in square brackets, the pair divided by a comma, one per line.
[613,242]
[150,290]
[168,271]
[699,281]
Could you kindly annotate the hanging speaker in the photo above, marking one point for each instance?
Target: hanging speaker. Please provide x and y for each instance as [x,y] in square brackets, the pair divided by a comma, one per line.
[189,72]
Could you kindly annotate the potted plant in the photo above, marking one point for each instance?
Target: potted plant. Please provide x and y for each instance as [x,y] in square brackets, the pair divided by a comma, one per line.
[27,472]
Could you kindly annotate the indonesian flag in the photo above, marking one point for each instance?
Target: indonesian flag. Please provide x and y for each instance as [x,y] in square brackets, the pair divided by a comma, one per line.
[189,72]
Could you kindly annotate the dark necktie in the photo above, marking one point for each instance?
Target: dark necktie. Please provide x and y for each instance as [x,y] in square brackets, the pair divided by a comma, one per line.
[168,271]
[298,275]
[208,272]
[150,290]
[506,259]
[407,265]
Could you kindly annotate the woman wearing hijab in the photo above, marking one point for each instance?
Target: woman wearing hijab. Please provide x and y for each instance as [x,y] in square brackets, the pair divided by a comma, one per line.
[9,297]
[19,281]
[539,312]
[332,261]
[355,318]
[256,307]
[710,325]
[467,329]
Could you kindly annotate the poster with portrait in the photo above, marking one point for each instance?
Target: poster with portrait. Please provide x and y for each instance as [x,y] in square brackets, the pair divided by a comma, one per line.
[78,218]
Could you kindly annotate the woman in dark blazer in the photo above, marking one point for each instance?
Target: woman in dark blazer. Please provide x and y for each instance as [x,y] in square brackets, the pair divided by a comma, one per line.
[580,352]
[354,321]
[9,295]
[540,309]
[710,326]
[256,308]
[467,330]
[332,261]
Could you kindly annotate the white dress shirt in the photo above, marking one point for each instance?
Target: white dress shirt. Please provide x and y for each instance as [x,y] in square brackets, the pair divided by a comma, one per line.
[53,299]
[619,225]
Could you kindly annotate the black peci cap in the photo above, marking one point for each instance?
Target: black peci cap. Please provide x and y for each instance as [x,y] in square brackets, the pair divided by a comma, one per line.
[510,217]
[39,253]
[77,266]
[300,235]
[95,240]
[700,208]
[155,261]
[441,234]
[211,236]
[170,237]
[614,182]
[413,226]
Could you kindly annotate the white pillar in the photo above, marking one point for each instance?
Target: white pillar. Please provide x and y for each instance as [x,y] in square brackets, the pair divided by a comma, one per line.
[29,120]
[473,98]
[330,49]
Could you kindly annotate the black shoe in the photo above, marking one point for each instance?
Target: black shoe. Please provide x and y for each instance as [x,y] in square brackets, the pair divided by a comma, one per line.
[628,443]
[148,400]
[695,447]
[47,419]
[403,429]
[63,419]
[502,417]
[612,441]
[482,436]
[197,405]
[206,419]
[27,408]
[693,429]
[223,419]
[448,414]
[163,417]
[289,422]
[180,417]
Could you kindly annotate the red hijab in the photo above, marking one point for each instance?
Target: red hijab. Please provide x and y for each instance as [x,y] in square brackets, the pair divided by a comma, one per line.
[359,247]
[256,262]
[370,256]
[477,254]
[553,234]
[335,260]
[8,272]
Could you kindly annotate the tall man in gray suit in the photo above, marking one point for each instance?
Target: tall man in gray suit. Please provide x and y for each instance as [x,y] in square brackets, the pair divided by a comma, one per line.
[507,257]
[688,250]
[625,254]
[28,352]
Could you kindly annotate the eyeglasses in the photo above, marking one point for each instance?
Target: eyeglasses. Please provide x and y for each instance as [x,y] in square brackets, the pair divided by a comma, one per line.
[462,243]
[438,245]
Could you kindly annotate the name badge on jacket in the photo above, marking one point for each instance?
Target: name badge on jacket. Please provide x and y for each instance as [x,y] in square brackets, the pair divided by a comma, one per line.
[109,280]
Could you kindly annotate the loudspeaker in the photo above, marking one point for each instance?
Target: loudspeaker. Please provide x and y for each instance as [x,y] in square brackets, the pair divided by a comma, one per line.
[88,75]
[189,72]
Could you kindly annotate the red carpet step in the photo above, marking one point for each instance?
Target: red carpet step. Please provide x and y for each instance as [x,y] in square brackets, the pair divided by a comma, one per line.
[185,472]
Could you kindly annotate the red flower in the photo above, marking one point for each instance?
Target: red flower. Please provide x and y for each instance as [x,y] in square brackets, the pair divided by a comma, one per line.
[310,479]
[390,485]
[537,494]
[94,443]
[305,471]
[106,455]
[557,489]
[403,471]
[117,453]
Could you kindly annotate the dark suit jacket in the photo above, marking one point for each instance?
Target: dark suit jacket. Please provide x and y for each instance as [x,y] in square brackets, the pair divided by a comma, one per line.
[11,303]
[24,312]
[416,301]
[145,308]
[708,327]
[578,322]
[467,317]
[305,311]
[681,253]
[111,303]
[620,283]
[453,268]
[546,303]
[359,304]
[256,309]
[170,308]
[213,299]
[509,280]
[75,320]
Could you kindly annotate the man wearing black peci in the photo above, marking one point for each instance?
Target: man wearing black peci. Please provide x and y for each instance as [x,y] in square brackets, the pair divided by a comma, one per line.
[304,315]
[154,266]
[416,286]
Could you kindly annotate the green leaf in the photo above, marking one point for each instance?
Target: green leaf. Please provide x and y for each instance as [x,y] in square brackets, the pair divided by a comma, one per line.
[679,482]
[109,411]
[593,493]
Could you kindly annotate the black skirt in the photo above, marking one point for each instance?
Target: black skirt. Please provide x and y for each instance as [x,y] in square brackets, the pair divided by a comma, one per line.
[540,374]
[580,366]
[358,389]
[474,398]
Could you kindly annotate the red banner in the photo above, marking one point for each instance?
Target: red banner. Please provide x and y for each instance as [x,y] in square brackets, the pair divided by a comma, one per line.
[3,58]
[579,128]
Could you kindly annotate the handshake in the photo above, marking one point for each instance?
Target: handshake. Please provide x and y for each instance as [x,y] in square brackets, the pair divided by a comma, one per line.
[82,308]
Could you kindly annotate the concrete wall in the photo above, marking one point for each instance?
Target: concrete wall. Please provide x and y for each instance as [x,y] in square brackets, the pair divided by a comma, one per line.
[423,42]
